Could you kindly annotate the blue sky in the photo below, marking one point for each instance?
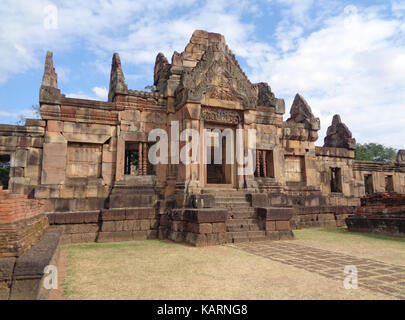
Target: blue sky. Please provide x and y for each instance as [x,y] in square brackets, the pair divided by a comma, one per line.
[345,57]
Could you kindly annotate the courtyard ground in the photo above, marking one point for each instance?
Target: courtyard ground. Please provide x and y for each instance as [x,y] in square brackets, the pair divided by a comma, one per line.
[309,267]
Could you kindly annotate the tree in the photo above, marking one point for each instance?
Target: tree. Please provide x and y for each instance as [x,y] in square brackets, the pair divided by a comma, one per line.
[36,114]
[151,88]
[375,152]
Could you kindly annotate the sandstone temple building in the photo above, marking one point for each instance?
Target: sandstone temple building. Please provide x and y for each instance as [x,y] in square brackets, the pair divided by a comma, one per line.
[84,165]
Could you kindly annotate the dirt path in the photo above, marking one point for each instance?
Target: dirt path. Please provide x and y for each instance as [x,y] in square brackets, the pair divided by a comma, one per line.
[374,275]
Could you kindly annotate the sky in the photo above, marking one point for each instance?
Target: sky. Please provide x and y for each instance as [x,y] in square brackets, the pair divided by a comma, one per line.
[344,57]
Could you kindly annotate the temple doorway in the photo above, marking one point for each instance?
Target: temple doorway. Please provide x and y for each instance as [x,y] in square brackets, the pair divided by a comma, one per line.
[218,171]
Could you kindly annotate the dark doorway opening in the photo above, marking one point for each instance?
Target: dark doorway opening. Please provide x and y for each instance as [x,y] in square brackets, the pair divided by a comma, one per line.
[389,184]
[216,171]
[335,180]
[4,171]
[368,184]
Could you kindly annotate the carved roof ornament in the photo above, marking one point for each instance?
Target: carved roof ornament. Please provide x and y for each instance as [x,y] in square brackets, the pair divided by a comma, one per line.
[117,79]
[301,113]
[339,135]
[49,91]
[50,77]
[161,71]
[266,97]
[401,157]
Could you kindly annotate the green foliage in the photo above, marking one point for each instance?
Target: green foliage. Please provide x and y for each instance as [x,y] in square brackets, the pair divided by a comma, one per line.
[134,158]
[375,152]
[151,88]
[4,174]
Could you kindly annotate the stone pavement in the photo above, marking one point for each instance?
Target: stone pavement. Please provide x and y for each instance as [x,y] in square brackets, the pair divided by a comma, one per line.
[374,275]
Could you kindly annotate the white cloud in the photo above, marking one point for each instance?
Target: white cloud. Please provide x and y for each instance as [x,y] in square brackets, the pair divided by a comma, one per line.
[354,66]
[18,115]
[349,61]
[101,92]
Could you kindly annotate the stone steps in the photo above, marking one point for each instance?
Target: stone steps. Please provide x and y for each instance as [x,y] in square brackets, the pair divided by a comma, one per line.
[232,204]
[238,198]
[224,192]
[241,213]
[238,225]
[241,225]
[245,236]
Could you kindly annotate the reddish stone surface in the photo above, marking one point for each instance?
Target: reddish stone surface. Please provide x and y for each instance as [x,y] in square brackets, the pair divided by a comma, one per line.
[381,213]
[22,223]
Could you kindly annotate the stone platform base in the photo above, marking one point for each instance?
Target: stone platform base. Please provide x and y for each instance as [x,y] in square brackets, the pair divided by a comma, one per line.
[108,225]
[380,213]
[22,278]
[383,225]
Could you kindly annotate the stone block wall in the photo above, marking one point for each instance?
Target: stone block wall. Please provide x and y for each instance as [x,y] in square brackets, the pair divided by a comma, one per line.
[22,278]
[378,171]
[108,225]
[198,227]
[22,223]
[23,145]
[276,222]
[380,213]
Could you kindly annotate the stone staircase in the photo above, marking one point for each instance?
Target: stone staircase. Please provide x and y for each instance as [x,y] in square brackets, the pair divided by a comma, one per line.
[242,224]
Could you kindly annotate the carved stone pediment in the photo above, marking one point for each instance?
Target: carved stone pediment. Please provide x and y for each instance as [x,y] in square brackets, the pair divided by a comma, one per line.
[217,76]
[230,117]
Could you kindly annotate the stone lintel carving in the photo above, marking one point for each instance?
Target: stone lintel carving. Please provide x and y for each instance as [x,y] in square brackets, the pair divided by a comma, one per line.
[301,113]
[117,79]
[49,92]
[221,116]
[339,135]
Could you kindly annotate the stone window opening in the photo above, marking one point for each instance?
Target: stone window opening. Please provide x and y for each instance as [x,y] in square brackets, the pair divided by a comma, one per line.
[136,159]
[389,184]
[4,171]
[336,180]
[264,164]
[368,184]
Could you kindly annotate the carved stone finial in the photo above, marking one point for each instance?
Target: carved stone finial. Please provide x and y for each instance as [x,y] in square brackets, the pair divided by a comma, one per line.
[401,157]
[339,135]
[161,72]
[50,78]
[301,113]
[266,98]
[117,79]
[49,92]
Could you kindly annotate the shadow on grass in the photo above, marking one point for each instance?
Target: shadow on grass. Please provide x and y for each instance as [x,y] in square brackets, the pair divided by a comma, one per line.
[345,231]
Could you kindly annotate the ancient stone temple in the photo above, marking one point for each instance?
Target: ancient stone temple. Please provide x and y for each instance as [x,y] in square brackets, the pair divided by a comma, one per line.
[88,162]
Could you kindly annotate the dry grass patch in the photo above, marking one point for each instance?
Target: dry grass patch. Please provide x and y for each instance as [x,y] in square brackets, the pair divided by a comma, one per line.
[163,270]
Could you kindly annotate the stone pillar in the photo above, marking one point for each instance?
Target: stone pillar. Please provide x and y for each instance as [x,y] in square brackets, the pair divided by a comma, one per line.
[257,172]
[202,172]
[140,159]
[145,159]
[264,153]
[119,172]
[240,178]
